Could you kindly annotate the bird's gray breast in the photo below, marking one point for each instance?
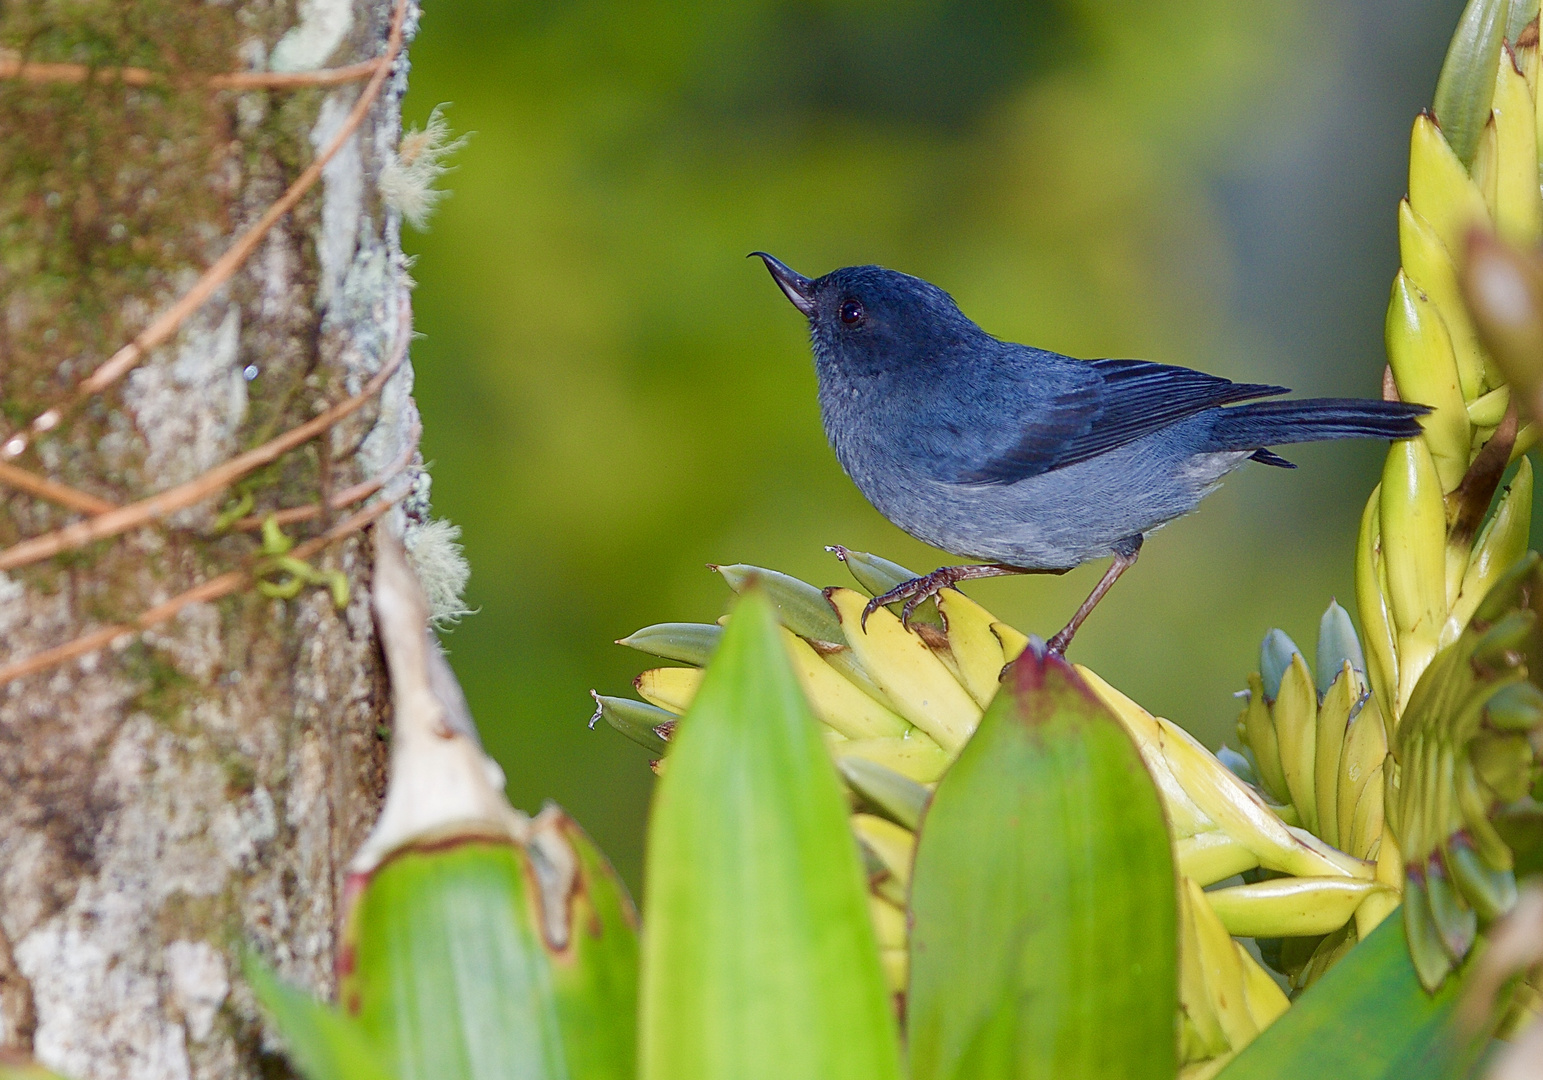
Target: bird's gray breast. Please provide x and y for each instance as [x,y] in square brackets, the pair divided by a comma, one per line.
[1053,520]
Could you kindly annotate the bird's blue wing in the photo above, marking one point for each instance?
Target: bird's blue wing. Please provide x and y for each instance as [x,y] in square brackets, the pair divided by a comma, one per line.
[1116,402]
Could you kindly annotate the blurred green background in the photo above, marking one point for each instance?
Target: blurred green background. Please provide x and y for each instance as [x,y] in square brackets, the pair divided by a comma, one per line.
[613,396]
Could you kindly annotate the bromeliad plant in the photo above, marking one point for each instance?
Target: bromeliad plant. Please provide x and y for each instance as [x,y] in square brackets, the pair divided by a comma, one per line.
[929,683]
[482,944]
[1054,924]
[938,851]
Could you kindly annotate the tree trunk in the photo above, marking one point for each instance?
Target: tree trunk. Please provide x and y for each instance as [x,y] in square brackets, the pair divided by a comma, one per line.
[199,786]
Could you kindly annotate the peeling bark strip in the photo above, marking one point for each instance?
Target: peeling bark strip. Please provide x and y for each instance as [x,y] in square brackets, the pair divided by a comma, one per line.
[164,801]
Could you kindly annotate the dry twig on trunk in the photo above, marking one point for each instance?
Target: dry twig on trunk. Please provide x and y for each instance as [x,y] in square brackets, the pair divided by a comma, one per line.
[16,67]
[212,589]
[121,519]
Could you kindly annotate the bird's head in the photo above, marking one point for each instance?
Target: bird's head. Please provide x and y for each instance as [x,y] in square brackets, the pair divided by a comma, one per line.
[866,319]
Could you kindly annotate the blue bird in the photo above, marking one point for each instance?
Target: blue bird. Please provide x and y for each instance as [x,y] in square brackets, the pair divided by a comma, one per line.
[1028,460]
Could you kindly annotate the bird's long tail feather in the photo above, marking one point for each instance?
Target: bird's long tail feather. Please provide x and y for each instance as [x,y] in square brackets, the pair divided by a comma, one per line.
[1275,423]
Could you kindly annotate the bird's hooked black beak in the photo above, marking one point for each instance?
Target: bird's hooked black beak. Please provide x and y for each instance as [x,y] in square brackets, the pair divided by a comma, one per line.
[798,288]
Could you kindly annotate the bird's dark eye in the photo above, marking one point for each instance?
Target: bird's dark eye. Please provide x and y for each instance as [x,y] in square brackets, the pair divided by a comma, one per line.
[851,312]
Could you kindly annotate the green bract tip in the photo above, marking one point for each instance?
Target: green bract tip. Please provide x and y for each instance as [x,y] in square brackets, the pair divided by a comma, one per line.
[1337,645]
[1275,654]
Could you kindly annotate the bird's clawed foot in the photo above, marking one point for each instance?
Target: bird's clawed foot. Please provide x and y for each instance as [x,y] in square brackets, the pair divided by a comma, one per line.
[915,593]
[918,591]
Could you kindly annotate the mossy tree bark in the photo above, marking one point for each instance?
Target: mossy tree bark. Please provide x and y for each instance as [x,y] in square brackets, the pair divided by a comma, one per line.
[200,786]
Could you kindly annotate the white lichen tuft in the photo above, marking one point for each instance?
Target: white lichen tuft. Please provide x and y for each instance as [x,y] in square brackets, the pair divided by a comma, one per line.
[407,181]
[441,567]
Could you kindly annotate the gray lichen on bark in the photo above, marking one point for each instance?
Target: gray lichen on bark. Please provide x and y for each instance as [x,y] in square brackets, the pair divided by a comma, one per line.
[201,787]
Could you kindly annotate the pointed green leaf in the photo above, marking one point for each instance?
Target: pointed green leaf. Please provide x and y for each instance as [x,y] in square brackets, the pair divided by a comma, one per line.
[482,959]
[800,606]
[1044,923]
[690,643]
[639,721]
[1368,1018]
[1466,86]
[876,575]
[897,797]
[759,959]
[323,1043]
